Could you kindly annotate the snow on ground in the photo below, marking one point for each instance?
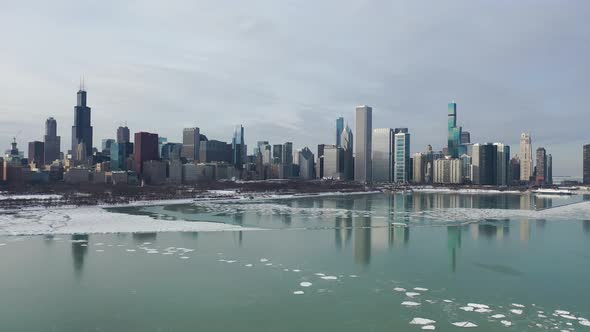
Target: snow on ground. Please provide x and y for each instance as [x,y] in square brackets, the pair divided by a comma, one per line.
[30,197]
[464,191]
[92,220]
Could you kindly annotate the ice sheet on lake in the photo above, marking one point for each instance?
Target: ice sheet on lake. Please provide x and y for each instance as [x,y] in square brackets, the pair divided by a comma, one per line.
[464,324]
[93,220]
[410,304]
[422,321]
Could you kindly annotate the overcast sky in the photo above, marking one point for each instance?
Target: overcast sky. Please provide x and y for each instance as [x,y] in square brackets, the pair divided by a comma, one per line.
[286,69]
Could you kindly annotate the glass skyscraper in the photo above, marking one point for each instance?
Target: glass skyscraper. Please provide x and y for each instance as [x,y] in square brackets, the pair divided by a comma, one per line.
[339,129]
[363,128]
[382,155]
[402,155]
[454,137]
[238,148]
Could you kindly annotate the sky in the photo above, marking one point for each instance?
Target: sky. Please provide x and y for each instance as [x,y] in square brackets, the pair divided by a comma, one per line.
[287,69]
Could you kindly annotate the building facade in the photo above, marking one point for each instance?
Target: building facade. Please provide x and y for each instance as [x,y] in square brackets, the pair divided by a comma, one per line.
[586,164]
[503,164]
[238,148]
[454,132]
[145,149]
[306,164]
[82,128]
[37,153]
[402,155]
[382,155]
[526,157]
[123,135]
[191,144]
[52,142]
[332,159]
[339,129]
[541,174]
[346,143]
[448,171]
[363,145]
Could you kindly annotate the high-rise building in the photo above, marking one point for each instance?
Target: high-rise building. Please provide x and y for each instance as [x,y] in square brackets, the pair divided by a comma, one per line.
[549,177]
[286,161]
[541,178]
[173,151]
[586,164]
[346,143]
[161,142]
[484,164]
[454,132]
[419,166]
[503,164]
[145,148]
[123,135]
[215,151]
[119,154]
[448,171]
[526,157]
[37,153]
[339,129]
[401,155]
[332,161]
[238,148]
[465,137]
[277,154]
[320,164]
[514,170]
[363,145]
[82,128]
[465,168]
[191,143]
[382,155]
[52,142]
[306,171]
[106,146]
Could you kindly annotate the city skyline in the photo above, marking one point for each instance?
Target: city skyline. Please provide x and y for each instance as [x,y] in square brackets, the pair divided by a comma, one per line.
[407,86]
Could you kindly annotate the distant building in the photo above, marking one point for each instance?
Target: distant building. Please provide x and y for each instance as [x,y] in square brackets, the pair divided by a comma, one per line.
[239,148]
[339,129]
[145,149]
[106,146]
[502,164]
[191,143]
[120,152]
[401,155]
[320,162]
[277,154]
[419,165]
[172,151]
[465,137]
[454,132]
[123,135]
[154,172]
[448,171]
[37,153]
[465,168]
[190,173]
[586,164]
[52,142]
[82,128]
[174,171]
[514,170]
[363,145]
[382,155]
[306,164]
[484,164]
[549,177]
[541,178]
[526,157]
[332,160]
[215,151]
[346,143]
[77,175]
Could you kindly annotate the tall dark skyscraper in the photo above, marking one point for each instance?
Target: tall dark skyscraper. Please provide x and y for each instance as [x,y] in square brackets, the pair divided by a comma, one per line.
[36,153]
[82,129]
[52,142]
[191,143]
[586,164]
[541,166]
[465,137]
[123,135]
[238,148]
[145,148]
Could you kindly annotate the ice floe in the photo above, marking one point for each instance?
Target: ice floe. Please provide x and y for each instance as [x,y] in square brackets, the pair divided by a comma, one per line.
[467,308]
[420,289]
[329,277]
[305,284]
[516,311]
[517,305]
[412,294]
[248,265]
[399,289]
[410,304]
[429,327]
[422,321]
[506,322]
[298,292]
[497,316]
[584,322]
[464,324]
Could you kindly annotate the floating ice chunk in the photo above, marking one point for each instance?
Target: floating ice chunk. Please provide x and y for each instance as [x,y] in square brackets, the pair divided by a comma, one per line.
[482,310]
[516,311]
[447,301]
[422,321]
[222,260]
[130,250]
[399,289]
[467,308]
[517,305]
[248,265]
[298,292]
[329,277]
[153,252]
[584,322]
[264,260]
[73,241]
[412,294]
[497,316]
[120,245]
[147,243]
[305,284]
[286,270]
[296,270]
[569,317]
[99,244]
[478,306]
[184,257]
[464,324]
[562,312]
[230,262]
[421,289]
[428,327]
[268,264]
[541,316]
[431,301]
[99,250]
[319,274]
[353,276]
[506,322]
[410,304]
[84,245]
[167,253]
[2,244]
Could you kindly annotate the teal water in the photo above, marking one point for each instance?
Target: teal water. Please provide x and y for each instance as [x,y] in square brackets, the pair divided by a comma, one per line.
[137,282]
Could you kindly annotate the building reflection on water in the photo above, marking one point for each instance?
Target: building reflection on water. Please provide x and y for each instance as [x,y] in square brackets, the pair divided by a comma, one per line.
[586,226]
[79,251]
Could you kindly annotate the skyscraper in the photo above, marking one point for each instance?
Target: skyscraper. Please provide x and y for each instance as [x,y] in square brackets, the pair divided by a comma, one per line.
[503,164]
[586,164]
[514,170]
[346,142]
[402,155]
[238,148]
[541,166]
[52,142]
[287,161]
[306,164]
[191,143]
[454,132]
[37,153]
[123,135]
[526,157]
[382,155]
[320,163]
[277,153]
[82,128]
[363,146]
[549,177]
[145,149]
[484,162]
[465,137]
[332,160]
[339,129]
